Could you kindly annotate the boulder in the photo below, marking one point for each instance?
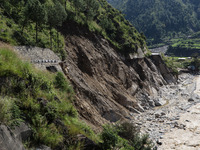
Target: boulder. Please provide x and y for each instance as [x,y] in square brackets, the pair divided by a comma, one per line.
[158,142]
[159,102]
[22,132]
[8,141]
[190,100]
[194,97]
[157,115]
[151,103]
[43,147]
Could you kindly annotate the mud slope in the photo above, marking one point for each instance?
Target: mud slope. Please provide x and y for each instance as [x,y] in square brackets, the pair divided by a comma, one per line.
[109,88]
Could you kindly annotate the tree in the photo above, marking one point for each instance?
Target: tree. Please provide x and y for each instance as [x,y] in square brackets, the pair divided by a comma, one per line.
[56,16]
[36,12]
[60,81]
[79,5]
[196,61]
[13,8]
[91,8]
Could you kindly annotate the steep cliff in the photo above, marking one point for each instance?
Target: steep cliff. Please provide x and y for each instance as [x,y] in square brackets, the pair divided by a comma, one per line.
[109,87]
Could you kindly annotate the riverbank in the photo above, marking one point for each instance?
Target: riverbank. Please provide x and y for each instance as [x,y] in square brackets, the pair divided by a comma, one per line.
[175,124]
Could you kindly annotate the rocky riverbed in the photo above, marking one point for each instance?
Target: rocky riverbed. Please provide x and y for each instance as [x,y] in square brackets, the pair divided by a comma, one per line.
[175,124]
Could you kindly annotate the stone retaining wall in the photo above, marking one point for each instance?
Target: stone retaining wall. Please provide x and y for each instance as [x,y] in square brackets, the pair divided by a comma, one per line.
[42,58]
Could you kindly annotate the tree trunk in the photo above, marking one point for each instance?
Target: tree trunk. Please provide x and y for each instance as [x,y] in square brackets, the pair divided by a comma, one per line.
[66,5]
[36,28]
[50,36]
[24,22]
[57,40]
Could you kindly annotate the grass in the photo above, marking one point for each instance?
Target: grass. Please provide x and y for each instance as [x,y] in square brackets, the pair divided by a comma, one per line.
[110,23]
[21,88]
[191,42]
[5,107]
[41,99]
[177,63]
[124,136]
[188,43]
[11,33]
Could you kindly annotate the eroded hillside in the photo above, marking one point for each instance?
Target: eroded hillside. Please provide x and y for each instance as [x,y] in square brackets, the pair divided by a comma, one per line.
[105,64]
[108,86]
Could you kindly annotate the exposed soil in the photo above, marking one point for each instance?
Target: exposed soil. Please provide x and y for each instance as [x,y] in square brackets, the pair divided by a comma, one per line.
[109,87]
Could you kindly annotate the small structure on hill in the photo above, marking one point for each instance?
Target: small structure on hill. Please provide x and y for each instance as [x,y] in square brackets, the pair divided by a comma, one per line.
[181,59]
[42,58]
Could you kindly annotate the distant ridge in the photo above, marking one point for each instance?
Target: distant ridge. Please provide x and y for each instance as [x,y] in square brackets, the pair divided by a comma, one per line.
[160,19]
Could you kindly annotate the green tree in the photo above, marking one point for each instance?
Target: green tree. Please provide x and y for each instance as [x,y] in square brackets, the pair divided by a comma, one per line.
[56,16]
[36,12]
[196,61]
[92,7]
[60,81]
[109,137]
[13,8]
[159,18]
[79,5]
[107,24]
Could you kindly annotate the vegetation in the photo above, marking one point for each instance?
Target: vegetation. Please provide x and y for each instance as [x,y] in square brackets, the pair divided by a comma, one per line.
[5,107]
[172,63]
[195,62]
[124,136]
[26,22]
[161,20]
[101,18]
[185,47]
[38,22]
[176,63]
[30,96]
[44,101]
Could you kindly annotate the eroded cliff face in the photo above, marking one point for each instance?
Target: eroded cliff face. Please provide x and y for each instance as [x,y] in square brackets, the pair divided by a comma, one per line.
[109,88]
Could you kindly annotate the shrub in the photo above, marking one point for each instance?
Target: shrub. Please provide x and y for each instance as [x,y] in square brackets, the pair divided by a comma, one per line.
[109,137]
[5,107]
[10,112]
[124,136]
[38,102]
[131,133]
[60,81]
[127,130]
[16,116]
[45,133]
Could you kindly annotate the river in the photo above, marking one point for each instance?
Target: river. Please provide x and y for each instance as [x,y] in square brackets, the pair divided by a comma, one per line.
[176,124]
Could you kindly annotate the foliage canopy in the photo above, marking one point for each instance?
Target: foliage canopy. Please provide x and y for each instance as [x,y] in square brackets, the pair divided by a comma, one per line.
[160,19]
[44,15]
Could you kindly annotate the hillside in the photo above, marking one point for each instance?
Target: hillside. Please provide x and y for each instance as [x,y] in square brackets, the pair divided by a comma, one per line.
[107,78]
[109,87]
[17,21]
[161,19]
[185,47]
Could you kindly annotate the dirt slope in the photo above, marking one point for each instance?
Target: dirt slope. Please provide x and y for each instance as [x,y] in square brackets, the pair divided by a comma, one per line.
[109,88]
